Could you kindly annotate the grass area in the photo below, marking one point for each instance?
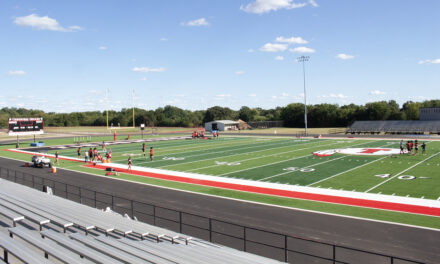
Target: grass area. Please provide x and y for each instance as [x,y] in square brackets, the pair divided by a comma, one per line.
[288,161]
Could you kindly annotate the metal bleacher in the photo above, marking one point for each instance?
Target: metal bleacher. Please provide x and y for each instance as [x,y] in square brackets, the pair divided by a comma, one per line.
[396,127]
[36,227]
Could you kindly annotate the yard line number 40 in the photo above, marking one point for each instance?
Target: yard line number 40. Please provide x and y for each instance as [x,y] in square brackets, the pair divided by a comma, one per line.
[401,177]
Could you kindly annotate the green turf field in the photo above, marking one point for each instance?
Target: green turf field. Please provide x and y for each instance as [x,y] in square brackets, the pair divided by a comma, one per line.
[290,161]
[283,160]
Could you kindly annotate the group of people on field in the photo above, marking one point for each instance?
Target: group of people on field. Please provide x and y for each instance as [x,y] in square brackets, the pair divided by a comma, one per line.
[198,134]
[412,147]
[94,155]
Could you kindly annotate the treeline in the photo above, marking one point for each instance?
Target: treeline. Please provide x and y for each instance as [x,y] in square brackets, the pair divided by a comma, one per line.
[320,115]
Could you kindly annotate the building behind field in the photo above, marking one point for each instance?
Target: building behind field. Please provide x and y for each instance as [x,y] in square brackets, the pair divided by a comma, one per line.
[429,113]
[222,125]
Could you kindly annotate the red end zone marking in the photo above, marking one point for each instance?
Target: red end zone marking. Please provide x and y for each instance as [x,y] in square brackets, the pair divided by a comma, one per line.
[407,208]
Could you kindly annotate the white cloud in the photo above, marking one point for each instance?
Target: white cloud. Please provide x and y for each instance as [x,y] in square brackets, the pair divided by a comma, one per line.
[332,95]
[313,3]
[43,23]
[196,23]
[291,40]
[273,47]
[16,73]
[435,61]
[302,50]
[250,50]
[102,48]
[163,39]
[280,58]
[143,79]
[239,72]
[252,95]
[222,96]
[377,92]
[264,6]
[343,56]
[146,69]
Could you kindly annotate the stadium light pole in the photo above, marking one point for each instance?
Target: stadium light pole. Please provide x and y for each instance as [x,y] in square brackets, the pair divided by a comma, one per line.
[303,59]
[106,104]
[132,99]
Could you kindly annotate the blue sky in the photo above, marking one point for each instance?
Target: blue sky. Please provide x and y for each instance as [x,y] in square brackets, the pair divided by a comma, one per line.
[62,55]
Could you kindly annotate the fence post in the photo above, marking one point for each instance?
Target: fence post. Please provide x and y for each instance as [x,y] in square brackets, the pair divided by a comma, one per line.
[285,248]
[244,238]
[334,254]
[180,221]
[154,215]
[210,229]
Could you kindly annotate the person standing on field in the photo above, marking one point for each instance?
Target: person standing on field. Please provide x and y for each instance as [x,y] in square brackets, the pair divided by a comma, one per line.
[143,148]
[86,156]
[129,163]
[401,146]
[151,153]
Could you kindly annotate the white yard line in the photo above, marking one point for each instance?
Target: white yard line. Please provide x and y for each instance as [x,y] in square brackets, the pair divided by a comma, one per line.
[203,154]
[254,158]
[188,145]
[240,154]
[287,172]
[251,168]
[346,171]
[398,174]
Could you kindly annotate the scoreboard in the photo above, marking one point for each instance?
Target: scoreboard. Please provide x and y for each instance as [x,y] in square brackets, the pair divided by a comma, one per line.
[25,126]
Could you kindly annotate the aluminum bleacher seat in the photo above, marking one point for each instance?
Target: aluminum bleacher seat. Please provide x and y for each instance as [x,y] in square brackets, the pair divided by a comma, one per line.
[79,248]
[19,250]
[68,247]
[11,215]
[395,126]
[50,248]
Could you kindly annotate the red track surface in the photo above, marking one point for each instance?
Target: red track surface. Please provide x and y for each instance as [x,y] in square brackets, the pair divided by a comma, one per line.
[415,209]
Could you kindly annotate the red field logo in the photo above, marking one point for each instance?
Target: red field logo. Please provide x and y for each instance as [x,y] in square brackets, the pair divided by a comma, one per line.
[358,151]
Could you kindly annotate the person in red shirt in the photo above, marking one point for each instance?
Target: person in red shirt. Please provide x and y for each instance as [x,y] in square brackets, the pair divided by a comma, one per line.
[143,148]
[56,157]
[109,157]
[151,153]
[95,154]
[79,152]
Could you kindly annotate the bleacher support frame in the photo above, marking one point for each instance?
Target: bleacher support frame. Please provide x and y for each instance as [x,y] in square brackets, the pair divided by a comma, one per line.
[213,227]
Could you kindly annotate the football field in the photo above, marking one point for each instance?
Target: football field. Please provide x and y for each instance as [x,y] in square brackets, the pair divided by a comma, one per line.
[291,161]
